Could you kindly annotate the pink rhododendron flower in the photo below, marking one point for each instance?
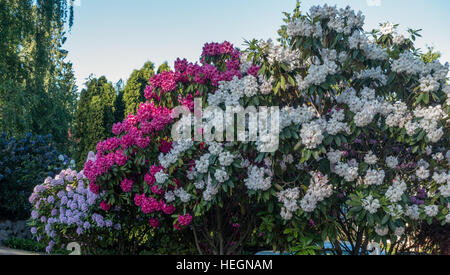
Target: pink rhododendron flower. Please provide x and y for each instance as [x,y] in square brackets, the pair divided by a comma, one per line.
[145,111]
[117,129]
[143,142]
[150,177]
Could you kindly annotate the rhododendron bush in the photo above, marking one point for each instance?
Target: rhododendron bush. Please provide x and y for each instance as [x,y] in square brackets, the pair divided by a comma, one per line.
[65,210]
[362,153]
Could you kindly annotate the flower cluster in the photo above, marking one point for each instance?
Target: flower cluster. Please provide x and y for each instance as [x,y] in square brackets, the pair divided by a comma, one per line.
[65,201]
[318,191]
[318,72]
[258,178]
[289,199]
[370,204]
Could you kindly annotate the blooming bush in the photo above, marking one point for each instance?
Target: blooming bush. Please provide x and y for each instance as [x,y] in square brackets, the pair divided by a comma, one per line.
[374,157]
[23,164]
[363,150]
[65,211]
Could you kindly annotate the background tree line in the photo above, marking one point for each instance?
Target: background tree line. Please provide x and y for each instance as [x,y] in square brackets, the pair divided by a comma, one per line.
[37,84]
[102,103]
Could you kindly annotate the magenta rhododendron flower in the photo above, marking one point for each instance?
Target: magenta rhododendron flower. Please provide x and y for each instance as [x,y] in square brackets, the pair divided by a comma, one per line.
[94,188]
[253,70]
[126,185]
[165,146]
[185,220]
[150,177]
[105,206]
[119,158]
[157,190]
[187,101]
[150,205]
[138,199]
[132,120]
[168,209]
[177,226]
[154,223]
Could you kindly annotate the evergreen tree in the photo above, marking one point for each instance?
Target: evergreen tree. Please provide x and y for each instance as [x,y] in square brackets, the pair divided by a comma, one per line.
[134,90]
[119,104]
[164,67]
[94,117]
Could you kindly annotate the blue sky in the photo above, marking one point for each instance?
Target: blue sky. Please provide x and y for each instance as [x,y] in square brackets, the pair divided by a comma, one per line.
[113,37]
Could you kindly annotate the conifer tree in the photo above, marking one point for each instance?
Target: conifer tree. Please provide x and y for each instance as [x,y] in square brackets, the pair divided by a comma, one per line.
[94,117]
[134,90]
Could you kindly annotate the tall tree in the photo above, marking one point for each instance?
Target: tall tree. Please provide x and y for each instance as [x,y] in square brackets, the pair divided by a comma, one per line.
[164,67]
[37,85]
[94,116]
[134,90]
[119,104]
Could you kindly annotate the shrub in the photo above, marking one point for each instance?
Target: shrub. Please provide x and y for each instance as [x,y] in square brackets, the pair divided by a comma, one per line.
[65,211]
[23,164]
[374,157]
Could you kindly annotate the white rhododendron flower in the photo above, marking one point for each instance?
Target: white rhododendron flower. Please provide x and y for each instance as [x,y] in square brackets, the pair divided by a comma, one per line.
[370,204]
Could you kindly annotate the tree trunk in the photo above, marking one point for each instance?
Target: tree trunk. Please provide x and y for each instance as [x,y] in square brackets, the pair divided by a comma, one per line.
[445,247]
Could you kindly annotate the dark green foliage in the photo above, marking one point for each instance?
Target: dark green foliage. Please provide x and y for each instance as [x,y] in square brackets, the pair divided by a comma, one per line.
[24,163]
[119,104]
[32,246]
[136,84]
[94,117]
[170,243]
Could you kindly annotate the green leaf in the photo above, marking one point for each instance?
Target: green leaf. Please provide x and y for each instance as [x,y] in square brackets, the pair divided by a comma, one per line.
[283,82]
[316,155]
[338,141]
[306,155]
[291,80]
[225,188]
[277,87]
[426,98]
[260,157]
[328,140]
